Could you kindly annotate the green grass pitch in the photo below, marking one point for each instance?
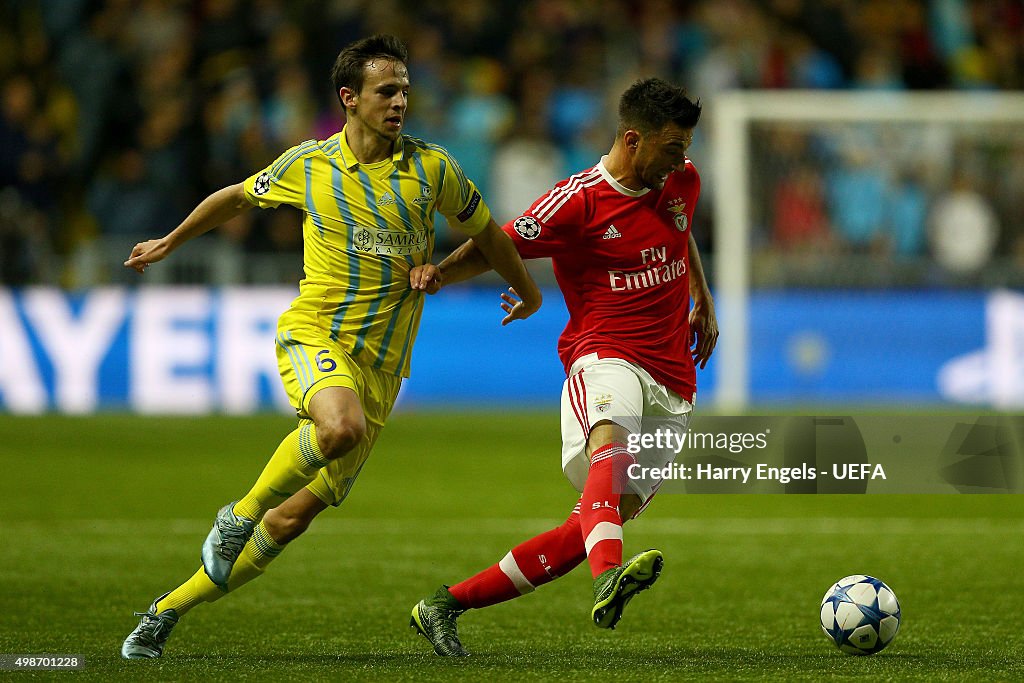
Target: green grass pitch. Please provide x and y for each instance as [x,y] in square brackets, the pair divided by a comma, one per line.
[99,515]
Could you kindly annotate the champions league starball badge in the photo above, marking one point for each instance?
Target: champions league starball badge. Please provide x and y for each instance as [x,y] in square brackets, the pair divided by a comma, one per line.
[262,184]
[527,227]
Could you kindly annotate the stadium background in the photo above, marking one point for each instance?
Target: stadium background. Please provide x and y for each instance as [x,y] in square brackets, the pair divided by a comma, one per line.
[119,115]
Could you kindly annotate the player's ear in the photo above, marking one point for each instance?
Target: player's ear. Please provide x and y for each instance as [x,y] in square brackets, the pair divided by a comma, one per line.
[348,97]
[632,139]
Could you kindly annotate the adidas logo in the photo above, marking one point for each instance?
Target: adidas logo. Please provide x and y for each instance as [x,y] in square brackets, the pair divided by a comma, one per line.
[611,233]
[385,199]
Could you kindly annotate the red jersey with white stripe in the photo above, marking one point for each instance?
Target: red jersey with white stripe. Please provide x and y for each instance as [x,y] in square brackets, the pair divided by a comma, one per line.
[621,259]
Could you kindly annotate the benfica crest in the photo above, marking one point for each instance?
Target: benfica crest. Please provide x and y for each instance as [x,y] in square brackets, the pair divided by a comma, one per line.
[678,212]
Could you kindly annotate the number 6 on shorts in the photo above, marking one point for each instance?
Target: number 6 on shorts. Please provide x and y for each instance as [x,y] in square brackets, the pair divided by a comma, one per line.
[324,362]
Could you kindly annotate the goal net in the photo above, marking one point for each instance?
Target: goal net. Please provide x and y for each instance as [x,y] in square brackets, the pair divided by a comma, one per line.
[859,191]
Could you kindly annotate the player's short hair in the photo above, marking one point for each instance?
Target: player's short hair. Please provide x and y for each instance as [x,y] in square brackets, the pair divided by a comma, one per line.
[349,69]
[651,104]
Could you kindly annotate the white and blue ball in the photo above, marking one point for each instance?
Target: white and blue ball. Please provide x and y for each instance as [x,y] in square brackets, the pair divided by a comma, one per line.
[860,614]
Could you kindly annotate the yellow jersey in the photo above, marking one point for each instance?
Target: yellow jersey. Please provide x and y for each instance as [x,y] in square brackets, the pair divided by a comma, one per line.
[364,227]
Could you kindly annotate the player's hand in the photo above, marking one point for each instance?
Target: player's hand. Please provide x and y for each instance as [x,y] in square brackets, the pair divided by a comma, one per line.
[703,330]
[146,253]
[516,307]
[426,278]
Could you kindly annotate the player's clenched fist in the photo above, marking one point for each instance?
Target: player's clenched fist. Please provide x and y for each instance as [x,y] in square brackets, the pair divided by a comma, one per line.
[426,278]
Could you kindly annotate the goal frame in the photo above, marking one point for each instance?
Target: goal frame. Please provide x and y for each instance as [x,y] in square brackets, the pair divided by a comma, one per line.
[732,115]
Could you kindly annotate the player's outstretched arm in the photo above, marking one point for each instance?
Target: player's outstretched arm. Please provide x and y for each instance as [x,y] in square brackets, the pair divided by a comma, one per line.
[217,209]
[490,248]
[500,253]
[703,324]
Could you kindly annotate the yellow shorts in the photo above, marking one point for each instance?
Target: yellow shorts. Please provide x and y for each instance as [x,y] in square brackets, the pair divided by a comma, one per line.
[310,361]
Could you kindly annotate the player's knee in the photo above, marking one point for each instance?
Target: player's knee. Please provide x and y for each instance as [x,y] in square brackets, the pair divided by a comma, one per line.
[284,526]
[338,437]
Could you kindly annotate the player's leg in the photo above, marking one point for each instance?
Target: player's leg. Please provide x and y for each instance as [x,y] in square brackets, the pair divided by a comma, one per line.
[336,426]
[334,482]
[335,429]
[629,505]
[522,570]
[614,588]
[327,397]
[608,400]
[325,385]
[607,504]
[294,463]
[526,567]
[530,564]
[601,519]
[279,526]
[348,433]
[270,535]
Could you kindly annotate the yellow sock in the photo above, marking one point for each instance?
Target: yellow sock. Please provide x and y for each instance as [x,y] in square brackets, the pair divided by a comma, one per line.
[294,464]
[197,589]
[259,551]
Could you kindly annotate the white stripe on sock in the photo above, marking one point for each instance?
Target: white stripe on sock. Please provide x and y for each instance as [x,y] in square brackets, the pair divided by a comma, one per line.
[603,531]
[610,453]
[511,569]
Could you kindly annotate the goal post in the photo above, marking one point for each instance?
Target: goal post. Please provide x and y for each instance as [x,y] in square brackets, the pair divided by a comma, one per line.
[734,115]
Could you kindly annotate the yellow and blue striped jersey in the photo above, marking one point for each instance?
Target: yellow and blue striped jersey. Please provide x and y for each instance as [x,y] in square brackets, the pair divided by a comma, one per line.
[364,227]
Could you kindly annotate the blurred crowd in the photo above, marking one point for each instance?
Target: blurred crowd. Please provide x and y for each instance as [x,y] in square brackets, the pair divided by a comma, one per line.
[118,116]
[889,204]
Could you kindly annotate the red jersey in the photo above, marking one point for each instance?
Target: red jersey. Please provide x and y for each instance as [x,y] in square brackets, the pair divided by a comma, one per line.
[621,260]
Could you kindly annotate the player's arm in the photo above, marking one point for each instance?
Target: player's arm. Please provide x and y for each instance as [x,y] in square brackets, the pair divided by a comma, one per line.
[501,255]
[703,324]
[217,209]
[462,264]
[489,249]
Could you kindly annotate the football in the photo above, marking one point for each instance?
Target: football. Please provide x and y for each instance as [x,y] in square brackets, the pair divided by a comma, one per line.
[860,614]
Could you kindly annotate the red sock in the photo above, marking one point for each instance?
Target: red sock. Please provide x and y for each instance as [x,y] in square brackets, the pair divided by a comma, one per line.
[599,513]
[530,564]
